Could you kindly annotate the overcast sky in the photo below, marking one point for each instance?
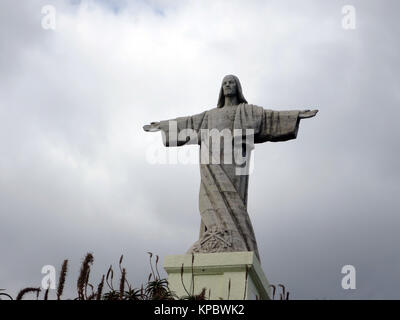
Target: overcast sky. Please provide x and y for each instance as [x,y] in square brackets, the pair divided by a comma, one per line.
[75,174]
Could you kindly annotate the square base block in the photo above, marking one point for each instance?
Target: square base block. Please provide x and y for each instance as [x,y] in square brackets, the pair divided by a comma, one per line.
[213,271]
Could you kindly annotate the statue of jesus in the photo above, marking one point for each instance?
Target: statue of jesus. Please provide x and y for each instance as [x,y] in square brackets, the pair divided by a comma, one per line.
[225,223]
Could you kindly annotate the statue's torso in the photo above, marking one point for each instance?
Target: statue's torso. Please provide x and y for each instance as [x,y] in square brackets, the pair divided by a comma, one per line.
[221,118]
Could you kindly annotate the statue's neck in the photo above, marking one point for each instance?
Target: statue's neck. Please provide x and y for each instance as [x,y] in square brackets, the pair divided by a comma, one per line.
[231,101]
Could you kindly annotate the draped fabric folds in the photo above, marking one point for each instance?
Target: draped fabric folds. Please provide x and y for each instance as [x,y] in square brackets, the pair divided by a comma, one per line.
[225,222]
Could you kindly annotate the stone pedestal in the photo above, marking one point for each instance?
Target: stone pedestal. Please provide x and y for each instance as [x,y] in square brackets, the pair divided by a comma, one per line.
[214,271]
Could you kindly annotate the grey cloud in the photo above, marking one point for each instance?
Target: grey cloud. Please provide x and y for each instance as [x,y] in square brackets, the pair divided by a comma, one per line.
[74,177]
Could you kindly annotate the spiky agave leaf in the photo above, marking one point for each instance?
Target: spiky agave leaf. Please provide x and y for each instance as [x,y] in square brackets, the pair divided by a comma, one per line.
[112,295]
[110,275]
[46,294]
[23,292]
[133,294]
[5,294]
[158,290]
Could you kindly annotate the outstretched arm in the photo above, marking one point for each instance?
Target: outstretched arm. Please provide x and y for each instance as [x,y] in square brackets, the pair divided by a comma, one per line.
[156,126]
[178,131]
[279,125]
[305,114]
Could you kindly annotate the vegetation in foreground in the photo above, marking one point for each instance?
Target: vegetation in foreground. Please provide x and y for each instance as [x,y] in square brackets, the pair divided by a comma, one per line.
[156,287]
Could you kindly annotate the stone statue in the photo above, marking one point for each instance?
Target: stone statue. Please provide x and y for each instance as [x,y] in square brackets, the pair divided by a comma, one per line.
[225,222]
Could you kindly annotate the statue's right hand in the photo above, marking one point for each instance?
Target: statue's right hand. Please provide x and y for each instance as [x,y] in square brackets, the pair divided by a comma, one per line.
[152,127]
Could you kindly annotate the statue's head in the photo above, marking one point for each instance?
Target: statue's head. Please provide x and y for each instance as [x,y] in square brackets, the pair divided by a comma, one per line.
[230,87]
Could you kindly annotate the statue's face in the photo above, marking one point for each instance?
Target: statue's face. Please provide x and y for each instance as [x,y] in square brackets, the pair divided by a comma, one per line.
[229,86]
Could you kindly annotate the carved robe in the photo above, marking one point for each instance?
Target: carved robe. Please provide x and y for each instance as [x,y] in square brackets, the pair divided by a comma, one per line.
[225,222]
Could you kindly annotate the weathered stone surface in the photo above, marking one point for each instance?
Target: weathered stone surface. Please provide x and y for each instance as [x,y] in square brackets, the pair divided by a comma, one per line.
[225,222]
[230,276]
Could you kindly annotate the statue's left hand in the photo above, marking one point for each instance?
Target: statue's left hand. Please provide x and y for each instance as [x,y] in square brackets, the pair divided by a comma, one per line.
[307,114]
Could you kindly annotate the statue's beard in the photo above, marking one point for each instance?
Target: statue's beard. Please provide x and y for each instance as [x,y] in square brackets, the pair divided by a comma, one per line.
[230,95]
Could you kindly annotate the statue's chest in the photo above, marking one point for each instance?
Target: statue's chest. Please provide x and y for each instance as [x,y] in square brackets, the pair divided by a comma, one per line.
[222,118]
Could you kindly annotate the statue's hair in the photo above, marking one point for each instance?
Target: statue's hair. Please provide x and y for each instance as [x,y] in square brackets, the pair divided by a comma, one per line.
[221,98]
